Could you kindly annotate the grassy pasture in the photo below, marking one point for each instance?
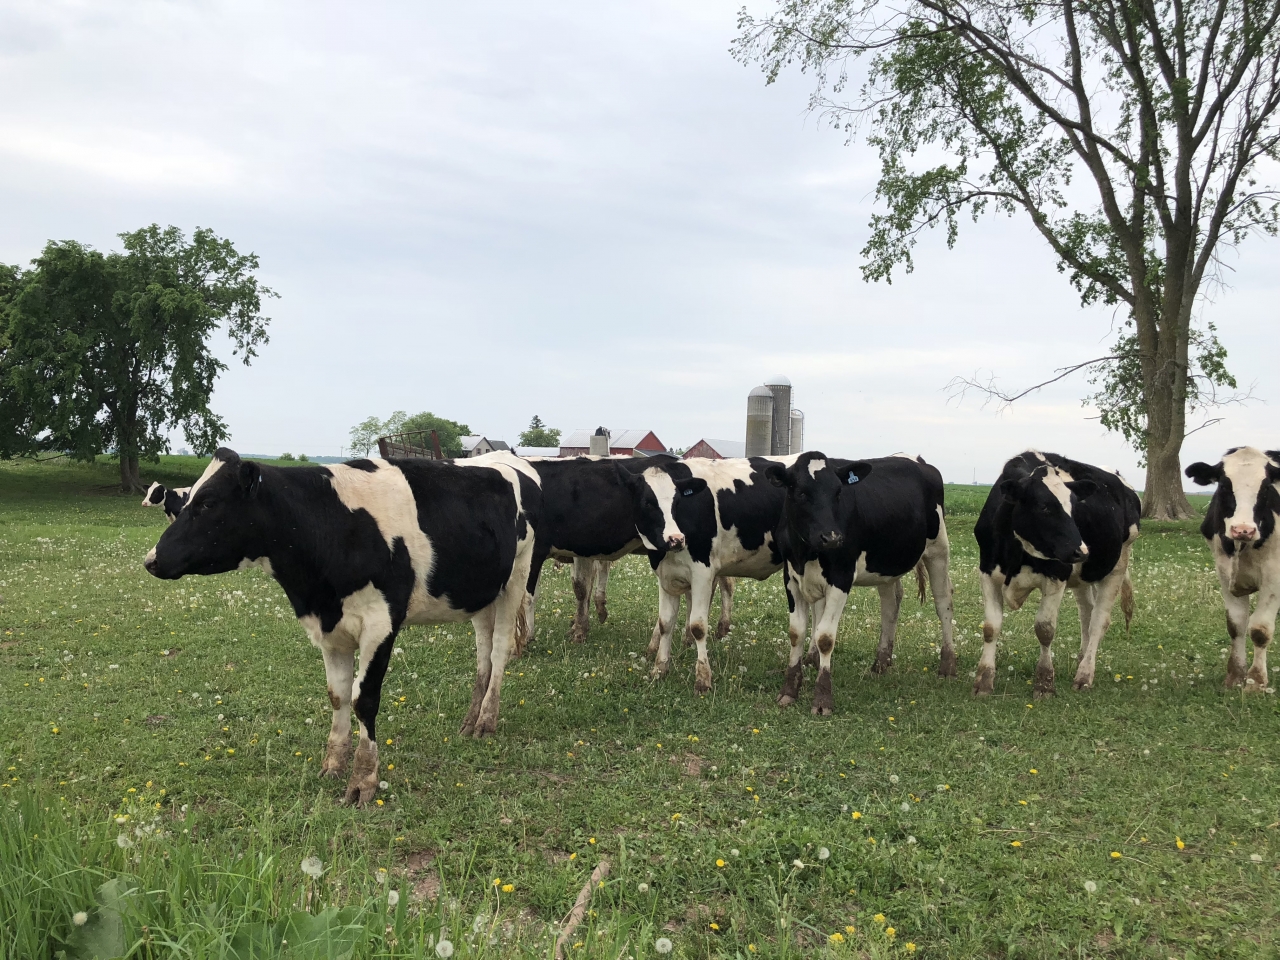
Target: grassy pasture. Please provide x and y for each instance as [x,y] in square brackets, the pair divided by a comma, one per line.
[1004,827]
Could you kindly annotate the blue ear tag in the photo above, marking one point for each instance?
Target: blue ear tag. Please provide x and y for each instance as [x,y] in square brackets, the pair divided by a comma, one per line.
[853,478]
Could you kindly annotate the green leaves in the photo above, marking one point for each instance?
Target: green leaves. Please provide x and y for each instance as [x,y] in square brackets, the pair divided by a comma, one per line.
[332,934]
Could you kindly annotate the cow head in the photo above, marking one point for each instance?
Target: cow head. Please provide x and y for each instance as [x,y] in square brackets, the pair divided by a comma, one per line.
[1042,519]
[655,493]
[217,530]
[1246,498]
[154,496]
[814,487]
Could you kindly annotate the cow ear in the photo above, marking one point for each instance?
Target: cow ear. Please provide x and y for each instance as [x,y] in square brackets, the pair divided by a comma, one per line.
[1273,472]
[854,472]
[250,477]
[629,480]
[1011,490]
[1083,489]
[690,485]
[1203,474]
[779,476]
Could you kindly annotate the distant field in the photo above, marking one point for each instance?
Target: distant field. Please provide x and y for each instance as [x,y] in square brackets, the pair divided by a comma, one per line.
[1005,827]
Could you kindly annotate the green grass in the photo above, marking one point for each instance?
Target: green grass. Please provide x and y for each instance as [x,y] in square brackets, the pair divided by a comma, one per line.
[210,751]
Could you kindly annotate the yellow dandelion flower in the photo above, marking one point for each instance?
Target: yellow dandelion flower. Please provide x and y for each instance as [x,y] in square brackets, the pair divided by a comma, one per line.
[573,856]
[497,881]
[1016,843]
[391,766]
[890,933]
[871,840]
[720,863]
[1115,854]
[878,918]
[592,841]
[508,888]
[1178,841]
[378,802]
[675,817]
[715,926]
[1034,770]
[911,947]
[857,815]
[751,948]
[836,938]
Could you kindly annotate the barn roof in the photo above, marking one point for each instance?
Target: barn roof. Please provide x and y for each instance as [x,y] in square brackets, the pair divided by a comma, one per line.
[726,448]
[626,439]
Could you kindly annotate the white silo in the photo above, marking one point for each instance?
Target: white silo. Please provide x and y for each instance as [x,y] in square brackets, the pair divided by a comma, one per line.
[600,443]
[797,430]
[780,439]
[759,421]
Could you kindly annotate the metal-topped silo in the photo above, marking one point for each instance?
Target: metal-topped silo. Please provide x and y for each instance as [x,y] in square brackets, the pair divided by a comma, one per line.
[780,438]
[759,421]
[599,443]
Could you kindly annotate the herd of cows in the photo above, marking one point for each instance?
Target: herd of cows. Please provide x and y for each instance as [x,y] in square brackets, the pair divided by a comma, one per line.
[363,548]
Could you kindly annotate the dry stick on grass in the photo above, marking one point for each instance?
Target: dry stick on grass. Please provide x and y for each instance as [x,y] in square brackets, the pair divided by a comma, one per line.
[580,907]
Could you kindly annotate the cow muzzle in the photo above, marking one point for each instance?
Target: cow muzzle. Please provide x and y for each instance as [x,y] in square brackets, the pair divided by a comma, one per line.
[1243,532]
[1081,554]
[150,562]
[830,540]
[675,542]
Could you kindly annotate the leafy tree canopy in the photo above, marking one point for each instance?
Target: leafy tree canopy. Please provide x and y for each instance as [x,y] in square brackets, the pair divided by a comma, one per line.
[110,352]
[539,434]
[364,435]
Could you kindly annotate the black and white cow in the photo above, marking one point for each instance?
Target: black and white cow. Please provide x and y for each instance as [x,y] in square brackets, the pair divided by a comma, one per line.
[1051,523]
[855,523]
[588,517]
[1240,526]
[173,501]
[361,549]
[702,520]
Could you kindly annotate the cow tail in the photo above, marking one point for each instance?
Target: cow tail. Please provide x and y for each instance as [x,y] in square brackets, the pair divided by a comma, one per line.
[521,636]
[1126,600]
[920,581]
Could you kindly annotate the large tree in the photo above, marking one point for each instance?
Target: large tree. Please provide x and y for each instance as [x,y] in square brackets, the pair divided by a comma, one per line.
[110,352]
[1131,132]
[539,434]
[364,435]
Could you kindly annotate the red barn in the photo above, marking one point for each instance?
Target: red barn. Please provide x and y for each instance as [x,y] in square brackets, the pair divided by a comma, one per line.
[716,449]
[624,443]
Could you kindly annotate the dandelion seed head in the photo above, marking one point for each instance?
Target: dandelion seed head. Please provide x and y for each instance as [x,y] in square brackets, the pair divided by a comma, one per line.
[79,918]
[444,950]
[662,945]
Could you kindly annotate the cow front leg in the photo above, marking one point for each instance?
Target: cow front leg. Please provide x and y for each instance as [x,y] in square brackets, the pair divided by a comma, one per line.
[376,640]
[937,558]
[602,590]
[797,627]
[339,670]
[582,571]
[724,624]
[1237,609]
[890,607]
[703,582]
[1105,593]
[660,645]
[984,683]
[815,614]
[1261,628]
[826,629]
[1084,603]
[1046,626]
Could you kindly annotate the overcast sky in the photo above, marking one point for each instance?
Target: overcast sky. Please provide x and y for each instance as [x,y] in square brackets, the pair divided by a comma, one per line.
[587,211]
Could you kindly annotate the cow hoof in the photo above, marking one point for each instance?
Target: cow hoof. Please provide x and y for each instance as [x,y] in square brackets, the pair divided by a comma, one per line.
[602,614]
[722,629]
[359,792]
[881,665]
[702,682]
[577,634]
[1041,692]
[818,711]
[947,664]
[466,730]
[1253,686]
[334,768]
[486,727]
[985,683]
[1082,683]
[786,700]
[660,669]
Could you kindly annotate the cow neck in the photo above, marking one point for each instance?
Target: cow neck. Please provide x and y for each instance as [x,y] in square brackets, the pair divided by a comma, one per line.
[295,545]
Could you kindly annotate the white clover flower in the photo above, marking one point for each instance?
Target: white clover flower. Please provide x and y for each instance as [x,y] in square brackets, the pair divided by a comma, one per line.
[824,853]
[312,867]
[393,898]
[642,888]
[911,841]
[893,778]
[662,945]
[904,806]
[733,852]
[383,785]
[79,918]
[444,950]
[1090,886]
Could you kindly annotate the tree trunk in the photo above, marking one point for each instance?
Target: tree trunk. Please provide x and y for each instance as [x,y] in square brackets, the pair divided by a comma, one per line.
[1163,498]
[129,480]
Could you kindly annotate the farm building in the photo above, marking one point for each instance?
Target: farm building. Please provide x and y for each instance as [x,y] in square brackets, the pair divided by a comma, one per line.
[626,443]
[716,449]
[475,446]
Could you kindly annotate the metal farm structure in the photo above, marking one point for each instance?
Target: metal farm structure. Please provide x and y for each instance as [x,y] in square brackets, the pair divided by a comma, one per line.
[420,444]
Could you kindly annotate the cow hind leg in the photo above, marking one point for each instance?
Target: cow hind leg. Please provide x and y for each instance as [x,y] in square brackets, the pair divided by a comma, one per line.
[984,683]
[602,590]
[339,669]
[724,624]
[1126,601]
[582,570]
[505,610]
[482,622]
[937,556]
[376,640]
[1105,593]
[890,606]
[1046,626]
